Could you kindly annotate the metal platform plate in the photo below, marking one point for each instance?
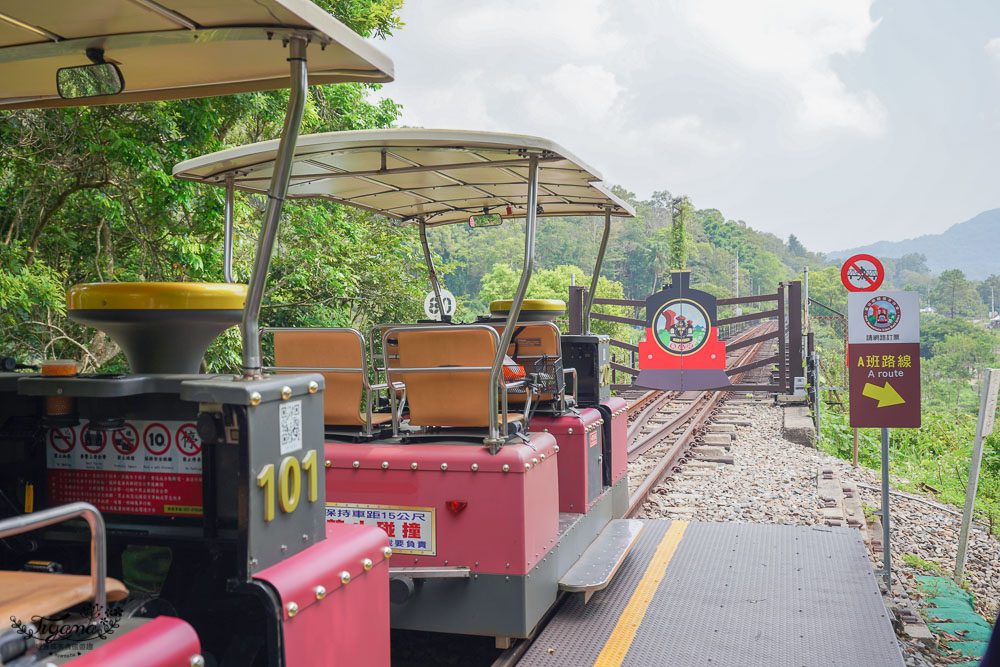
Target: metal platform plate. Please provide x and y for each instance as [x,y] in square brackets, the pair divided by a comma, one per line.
[717,594]
[599,563]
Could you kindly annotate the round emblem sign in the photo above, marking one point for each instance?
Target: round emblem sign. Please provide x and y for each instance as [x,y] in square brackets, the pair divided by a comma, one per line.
[681,326]
[882,314]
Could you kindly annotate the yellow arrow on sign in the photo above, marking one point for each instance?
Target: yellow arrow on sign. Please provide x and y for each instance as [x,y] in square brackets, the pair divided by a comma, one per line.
[885,396]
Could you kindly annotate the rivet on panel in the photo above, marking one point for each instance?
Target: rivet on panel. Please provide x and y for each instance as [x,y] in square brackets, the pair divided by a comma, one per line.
[527,466]
[541,456]
[367,564]
[320,592]
[284,548]
[534,461]
[356,464]
[556,449]
[505,468]
[196,661]
[444,466]
[387,552]
[414,466]
[292,609]
[475,467]
[286,392]
[345,577]
[255,398]
[385,465]
[313,386]
[569,431]
[328,463]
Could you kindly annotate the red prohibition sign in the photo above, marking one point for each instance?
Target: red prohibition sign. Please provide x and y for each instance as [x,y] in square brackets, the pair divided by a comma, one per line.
[856,274]
[187,440]
[156,439]
[62,439]
[93,450]
[125,439]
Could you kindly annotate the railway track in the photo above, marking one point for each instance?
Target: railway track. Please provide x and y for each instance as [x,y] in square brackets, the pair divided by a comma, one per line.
[663,424]
[676,418]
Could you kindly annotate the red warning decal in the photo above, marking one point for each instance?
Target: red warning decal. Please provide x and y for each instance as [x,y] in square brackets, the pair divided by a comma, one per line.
[156,439]
[93,449]
[62,439]
[125,439]
[187,440]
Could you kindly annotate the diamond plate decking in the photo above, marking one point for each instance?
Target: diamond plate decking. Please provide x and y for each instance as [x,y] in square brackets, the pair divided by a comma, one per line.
[736,594]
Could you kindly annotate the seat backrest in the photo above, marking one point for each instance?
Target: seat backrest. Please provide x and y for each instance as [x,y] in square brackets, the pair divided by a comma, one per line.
[443,398]
[339,348]
[530,342]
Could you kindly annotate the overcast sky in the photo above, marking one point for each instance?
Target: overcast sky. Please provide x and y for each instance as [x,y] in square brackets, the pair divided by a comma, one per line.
[841,121]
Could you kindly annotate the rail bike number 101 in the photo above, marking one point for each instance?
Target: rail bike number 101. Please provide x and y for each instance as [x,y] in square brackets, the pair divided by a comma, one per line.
[289,483]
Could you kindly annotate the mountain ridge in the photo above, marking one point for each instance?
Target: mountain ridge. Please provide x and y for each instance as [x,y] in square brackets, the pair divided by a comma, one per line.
[972,246]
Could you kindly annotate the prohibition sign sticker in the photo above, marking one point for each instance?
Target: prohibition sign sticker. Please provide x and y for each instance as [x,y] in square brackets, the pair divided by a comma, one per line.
[156,439]
[93,449]
[187,440]
[862,273]
[125,439]
[62,439]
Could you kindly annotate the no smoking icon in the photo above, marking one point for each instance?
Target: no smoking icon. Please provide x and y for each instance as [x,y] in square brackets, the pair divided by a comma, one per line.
[62,439]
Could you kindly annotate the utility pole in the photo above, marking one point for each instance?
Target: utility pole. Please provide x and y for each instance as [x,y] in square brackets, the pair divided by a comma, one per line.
[739,311]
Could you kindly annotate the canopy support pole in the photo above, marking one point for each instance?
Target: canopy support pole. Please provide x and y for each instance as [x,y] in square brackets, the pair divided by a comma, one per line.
[227,266]
[494,441]
[589,302]
[272,214]
[435,285]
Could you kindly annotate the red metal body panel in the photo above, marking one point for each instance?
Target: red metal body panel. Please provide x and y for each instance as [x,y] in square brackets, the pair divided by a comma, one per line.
[572,434]
[712,354]
[510,522]
[350,625]
[163,642]
[619,437]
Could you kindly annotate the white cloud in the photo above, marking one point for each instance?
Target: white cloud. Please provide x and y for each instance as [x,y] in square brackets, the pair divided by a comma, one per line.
[993,47]
[795,43]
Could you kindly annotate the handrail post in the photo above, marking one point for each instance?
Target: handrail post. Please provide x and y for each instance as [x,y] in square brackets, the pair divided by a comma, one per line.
[588,304]
[493,441]
[227,241]
[98,541]
[275,199]
[435,285]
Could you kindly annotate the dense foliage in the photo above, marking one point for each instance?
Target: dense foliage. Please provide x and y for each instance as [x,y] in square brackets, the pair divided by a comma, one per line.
[88,196]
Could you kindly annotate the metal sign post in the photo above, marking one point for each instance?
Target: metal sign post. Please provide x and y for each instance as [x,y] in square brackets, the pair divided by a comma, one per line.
[884,371]
[984,426]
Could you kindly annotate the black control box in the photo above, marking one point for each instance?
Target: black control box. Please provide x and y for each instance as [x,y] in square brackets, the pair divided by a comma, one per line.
[590,355]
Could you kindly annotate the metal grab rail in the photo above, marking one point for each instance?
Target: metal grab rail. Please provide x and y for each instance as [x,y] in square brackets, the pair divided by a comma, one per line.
[98,545]
[494,392]
[362,370]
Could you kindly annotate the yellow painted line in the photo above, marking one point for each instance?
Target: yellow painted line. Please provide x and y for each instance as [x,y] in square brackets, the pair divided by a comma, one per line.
[621,637]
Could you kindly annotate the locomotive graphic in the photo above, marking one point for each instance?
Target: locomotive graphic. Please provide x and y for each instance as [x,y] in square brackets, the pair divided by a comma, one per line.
[681,350]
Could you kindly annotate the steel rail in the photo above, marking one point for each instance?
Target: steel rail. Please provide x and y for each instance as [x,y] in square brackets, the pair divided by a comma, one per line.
[635,428]
[702,410]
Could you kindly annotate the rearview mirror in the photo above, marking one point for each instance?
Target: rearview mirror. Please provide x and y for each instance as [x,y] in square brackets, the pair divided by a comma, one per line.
[485,220]
[89,81]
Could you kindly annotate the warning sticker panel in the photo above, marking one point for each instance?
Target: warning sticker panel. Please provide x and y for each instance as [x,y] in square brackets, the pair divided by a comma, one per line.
[411,530]
[144,467]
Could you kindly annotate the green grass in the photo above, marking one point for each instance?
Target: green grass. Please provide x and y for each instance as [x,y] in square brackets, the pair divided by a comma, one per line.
[927,566]
[932,459]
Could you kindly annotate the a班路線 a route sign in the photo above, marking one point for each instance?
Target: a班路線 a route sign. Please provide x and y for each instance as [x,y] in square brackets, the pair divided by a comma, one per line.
[884,359]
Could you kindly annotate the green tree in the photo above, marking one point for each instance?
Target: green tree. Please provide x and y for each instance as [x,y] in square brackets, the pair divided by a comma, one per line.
[953,295]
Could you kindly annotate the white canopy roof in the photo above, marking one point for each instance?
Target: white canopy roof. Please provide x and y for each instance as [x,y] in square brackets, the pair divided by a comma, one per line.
[443,176]
[172,49]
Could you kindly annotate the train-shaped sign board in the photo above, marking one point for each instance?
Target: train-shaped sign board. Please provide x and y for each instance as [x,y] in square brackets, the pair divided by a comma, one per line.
[682,350]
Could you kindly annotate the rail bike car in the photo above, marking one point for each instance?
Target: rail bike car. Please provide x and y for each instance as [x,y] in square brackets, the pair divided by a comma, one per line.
[497,466]
[163,517]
